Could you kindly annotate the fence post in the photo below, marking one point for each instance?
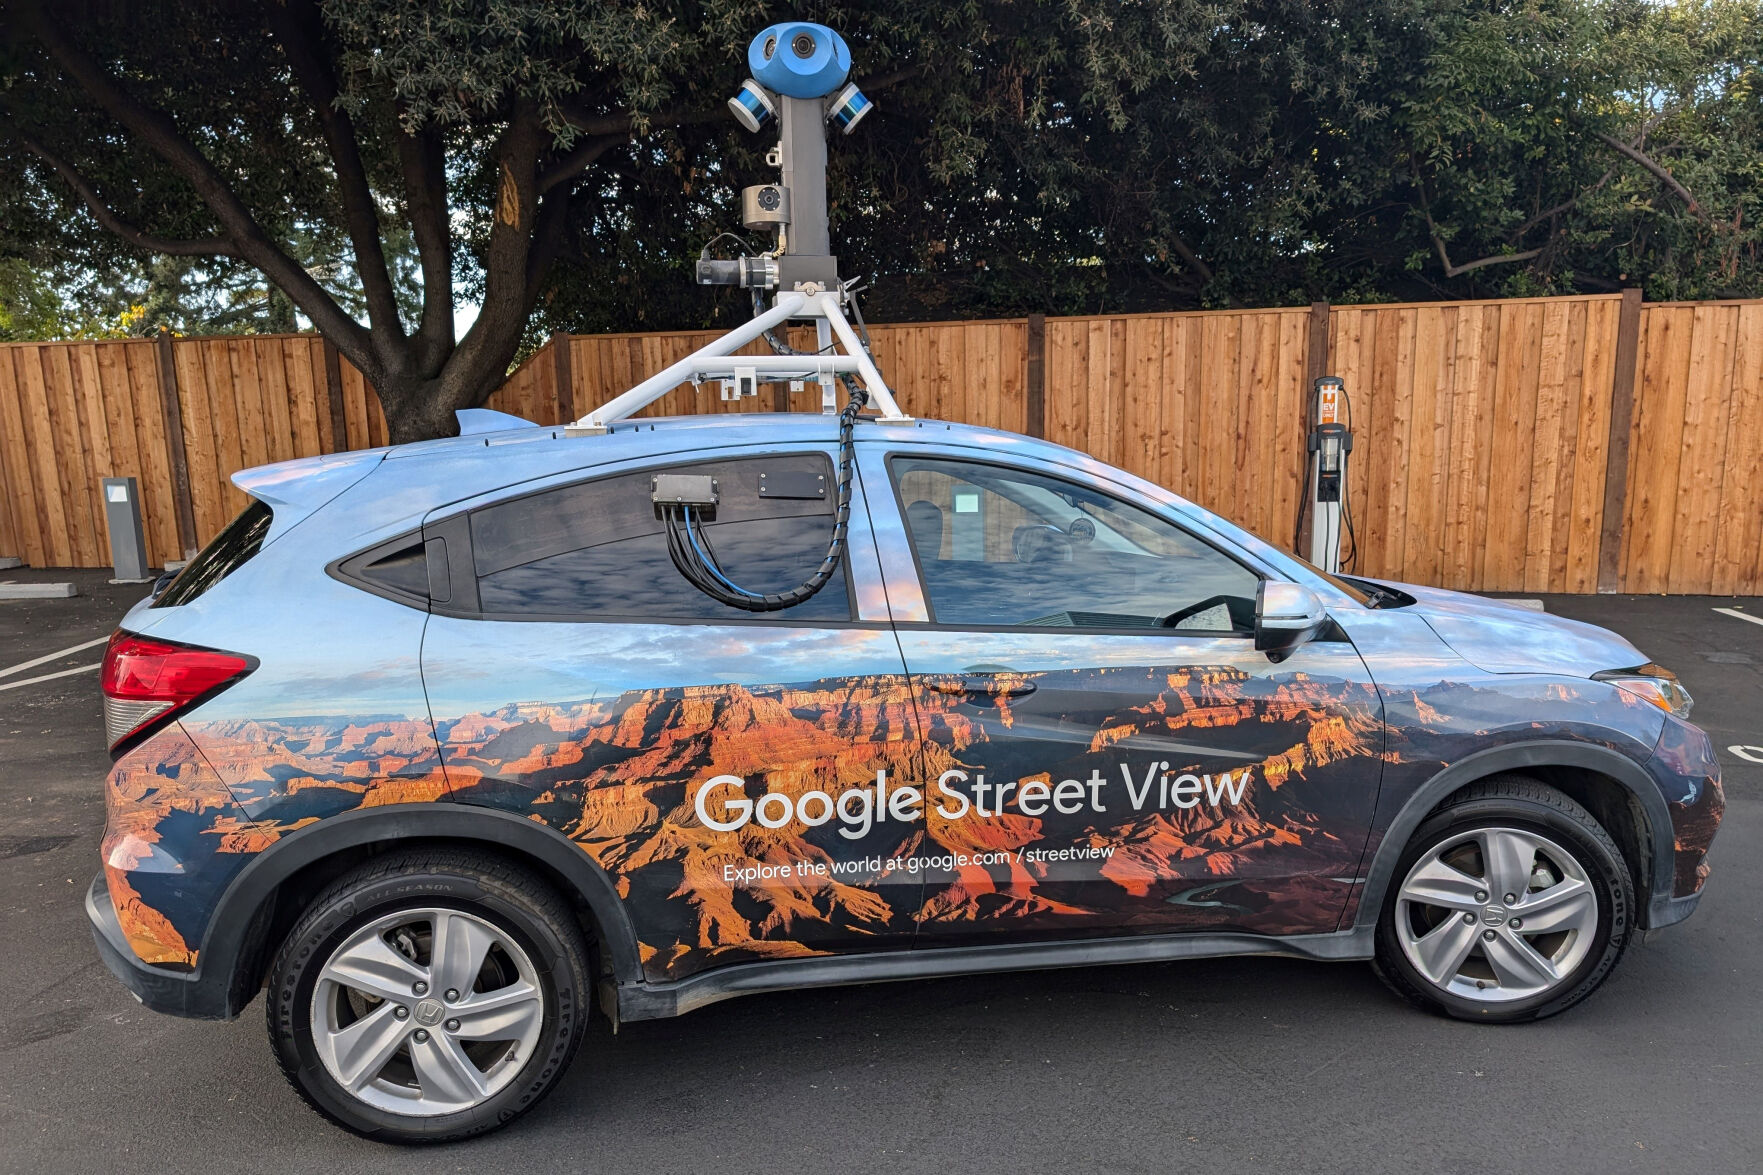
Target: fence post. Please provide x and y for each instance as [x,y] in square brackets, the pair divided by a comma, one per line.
[1035,413]
[11,536]
[1316,365]
[333,383]
[563,360]
[179,455]
[1628,348]
[1316,357]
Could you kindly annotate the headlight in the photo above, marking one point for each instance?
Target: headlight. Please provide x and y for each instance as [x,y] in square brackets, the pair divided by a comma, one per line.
[1652,683]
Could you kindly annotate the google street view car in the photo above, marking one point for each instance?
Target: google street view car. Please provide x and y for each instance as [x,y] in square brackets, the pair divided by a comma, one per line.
[442,746]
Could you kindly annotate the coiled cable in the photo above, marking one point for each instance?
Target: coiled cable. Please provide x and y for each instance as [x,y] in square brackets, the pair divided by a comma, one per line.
[689,547]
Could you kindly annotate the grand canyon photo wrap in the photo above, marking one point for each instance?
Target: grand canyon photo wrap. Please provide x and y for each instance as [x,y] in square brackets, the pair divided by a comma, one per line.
[618,777]
[618,774]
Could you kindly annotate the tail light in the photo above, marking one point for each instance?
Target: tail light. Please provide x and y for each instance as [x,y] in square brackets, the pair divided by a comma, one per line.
[147,681]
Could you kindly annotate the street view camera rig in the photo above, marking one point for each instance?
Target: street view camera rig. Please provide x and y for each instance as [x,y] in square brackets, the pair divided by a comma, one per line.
[800,75]
[799,79]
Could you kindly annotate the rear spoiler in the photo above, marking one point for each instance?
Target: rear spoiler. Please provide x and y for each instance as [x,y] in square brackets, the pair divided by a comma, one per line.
[296,489]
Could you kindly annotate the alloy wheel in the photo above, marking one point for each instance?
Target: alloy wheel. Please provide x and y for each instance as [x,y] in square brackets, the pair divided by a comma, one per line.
[1496,914]
[427,1011]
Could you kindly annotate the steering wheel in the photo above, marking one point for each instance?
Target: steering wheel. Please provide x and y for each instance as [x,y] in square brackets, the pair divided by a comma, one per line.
[1174,619]
[1041,544]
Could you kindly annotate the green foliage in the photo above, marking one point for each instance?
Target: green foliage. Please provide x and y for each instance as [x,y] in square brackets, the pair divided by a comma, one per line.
[1075,158]
[29,307]
[563,164]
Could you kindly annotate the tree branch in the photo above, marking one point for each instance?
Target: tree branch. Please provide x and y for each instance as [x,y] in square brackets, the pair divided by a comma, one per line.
[423,161]
[157,132]
[1188,255]
[298,29]
[106,216]
[1658,171]
[507,257]
[877,83]
[586,152]
[1549,213]
[1438,243]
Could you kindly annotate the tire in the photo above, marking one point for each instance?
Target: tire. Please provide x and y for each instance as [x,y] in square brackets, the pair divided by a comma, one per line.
[1574,913]
[349,996]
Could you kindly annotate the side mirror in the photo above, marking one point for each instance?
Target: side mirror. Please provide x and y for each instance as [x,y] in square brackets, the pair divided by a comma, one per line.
[1286,616]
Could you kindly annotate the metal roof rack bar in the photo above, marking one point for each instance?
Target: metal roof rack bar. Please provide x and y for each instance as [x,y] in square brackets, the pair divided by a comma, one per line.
[716,360]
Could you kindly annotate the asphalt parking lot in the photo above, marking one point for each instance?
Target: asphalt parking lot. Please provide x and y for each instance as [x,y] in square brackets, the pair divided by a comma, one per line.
[1224,1065]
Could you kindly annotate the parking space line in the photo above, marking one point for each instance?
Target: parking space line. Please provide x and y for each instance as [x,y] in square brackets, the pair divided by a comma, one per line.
[48,657]
[50,676]
[1737,615]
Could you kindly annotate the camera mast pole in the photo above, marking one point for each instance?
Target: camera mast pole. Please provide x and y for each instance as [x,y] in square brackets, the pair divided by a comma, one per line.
[800,73]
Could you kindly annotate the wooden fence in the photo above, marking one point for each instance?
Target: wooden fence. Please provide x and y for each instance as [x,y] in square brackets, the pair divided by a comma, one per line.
[180,415]
[1550,445]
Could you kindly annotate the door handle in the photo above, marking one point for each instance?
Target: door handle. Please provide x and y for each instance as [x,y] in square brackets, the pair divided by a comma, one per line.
[983,685]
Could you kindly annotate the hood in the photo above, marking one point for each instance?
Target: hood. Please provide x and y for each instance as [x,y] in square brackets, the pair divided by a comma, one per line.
[1500,637]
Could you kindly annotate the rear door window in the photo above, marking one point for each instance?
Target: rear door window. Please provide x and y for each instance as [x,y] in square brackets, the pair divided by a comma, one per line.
[229,551]
[597,550]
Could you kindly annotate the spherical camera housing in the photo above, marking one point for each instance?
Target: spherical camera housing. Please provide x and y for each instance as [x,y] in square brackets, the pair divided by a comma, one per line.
[799,60]
[752,106]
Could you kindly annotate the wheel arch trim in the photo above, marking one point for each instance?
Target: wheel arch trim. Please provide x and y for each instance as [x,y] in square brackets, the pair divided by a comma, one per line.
[1633,778]
[227,941]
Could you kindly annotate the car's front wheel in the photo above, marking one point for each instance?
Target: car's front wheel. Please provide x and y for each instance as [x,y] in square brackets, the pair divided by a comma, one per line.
[429,995]
[1511,903]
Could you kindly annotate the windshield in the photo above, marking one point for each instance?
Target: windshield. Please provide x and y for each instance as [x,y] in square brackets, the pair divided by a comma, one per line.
[1366,591]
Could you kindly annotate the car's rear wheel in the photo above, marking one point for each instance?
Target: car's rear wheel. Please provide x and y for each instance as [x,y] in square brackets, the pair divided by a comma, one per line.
[429,995]
[1510,903]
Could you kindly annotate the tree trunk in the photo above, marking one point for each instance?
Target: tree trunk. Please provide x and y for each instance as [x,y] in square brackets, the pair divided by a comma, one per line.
[419,408]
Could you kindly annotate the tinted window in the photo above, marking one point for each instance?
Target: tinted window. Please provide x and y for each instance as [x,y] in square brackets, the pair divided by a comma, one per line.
[597,548]
[231,548]
[1002,546]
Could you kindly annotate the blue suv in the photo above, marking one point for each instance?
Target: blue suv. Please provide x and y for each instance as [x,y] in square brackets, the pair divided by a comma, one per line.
[440,746]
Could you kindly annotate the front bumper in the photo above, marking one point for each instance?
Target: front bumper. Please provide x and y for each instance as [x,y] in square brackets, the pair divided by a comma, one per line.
[1688,774]
[177,993]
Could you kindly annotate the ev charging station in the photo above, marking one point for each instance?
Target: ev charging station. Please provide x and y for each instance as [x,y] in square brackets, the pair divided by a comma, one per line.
[1329,442]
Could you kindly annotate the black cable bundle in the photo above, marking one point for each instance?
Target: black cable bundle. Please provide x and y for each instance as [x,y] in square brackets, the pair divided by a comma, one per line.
[689,546]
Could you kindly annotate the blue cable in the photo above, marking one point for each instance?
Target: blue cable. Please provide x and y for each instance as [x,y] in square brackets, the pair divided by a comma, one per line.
[710,564]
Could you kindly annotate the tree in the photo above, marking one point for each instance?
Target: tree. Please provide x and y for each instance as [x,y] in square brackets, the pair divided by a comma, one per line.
[561,165]
[217,130]
[1273,152]
[227,130]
